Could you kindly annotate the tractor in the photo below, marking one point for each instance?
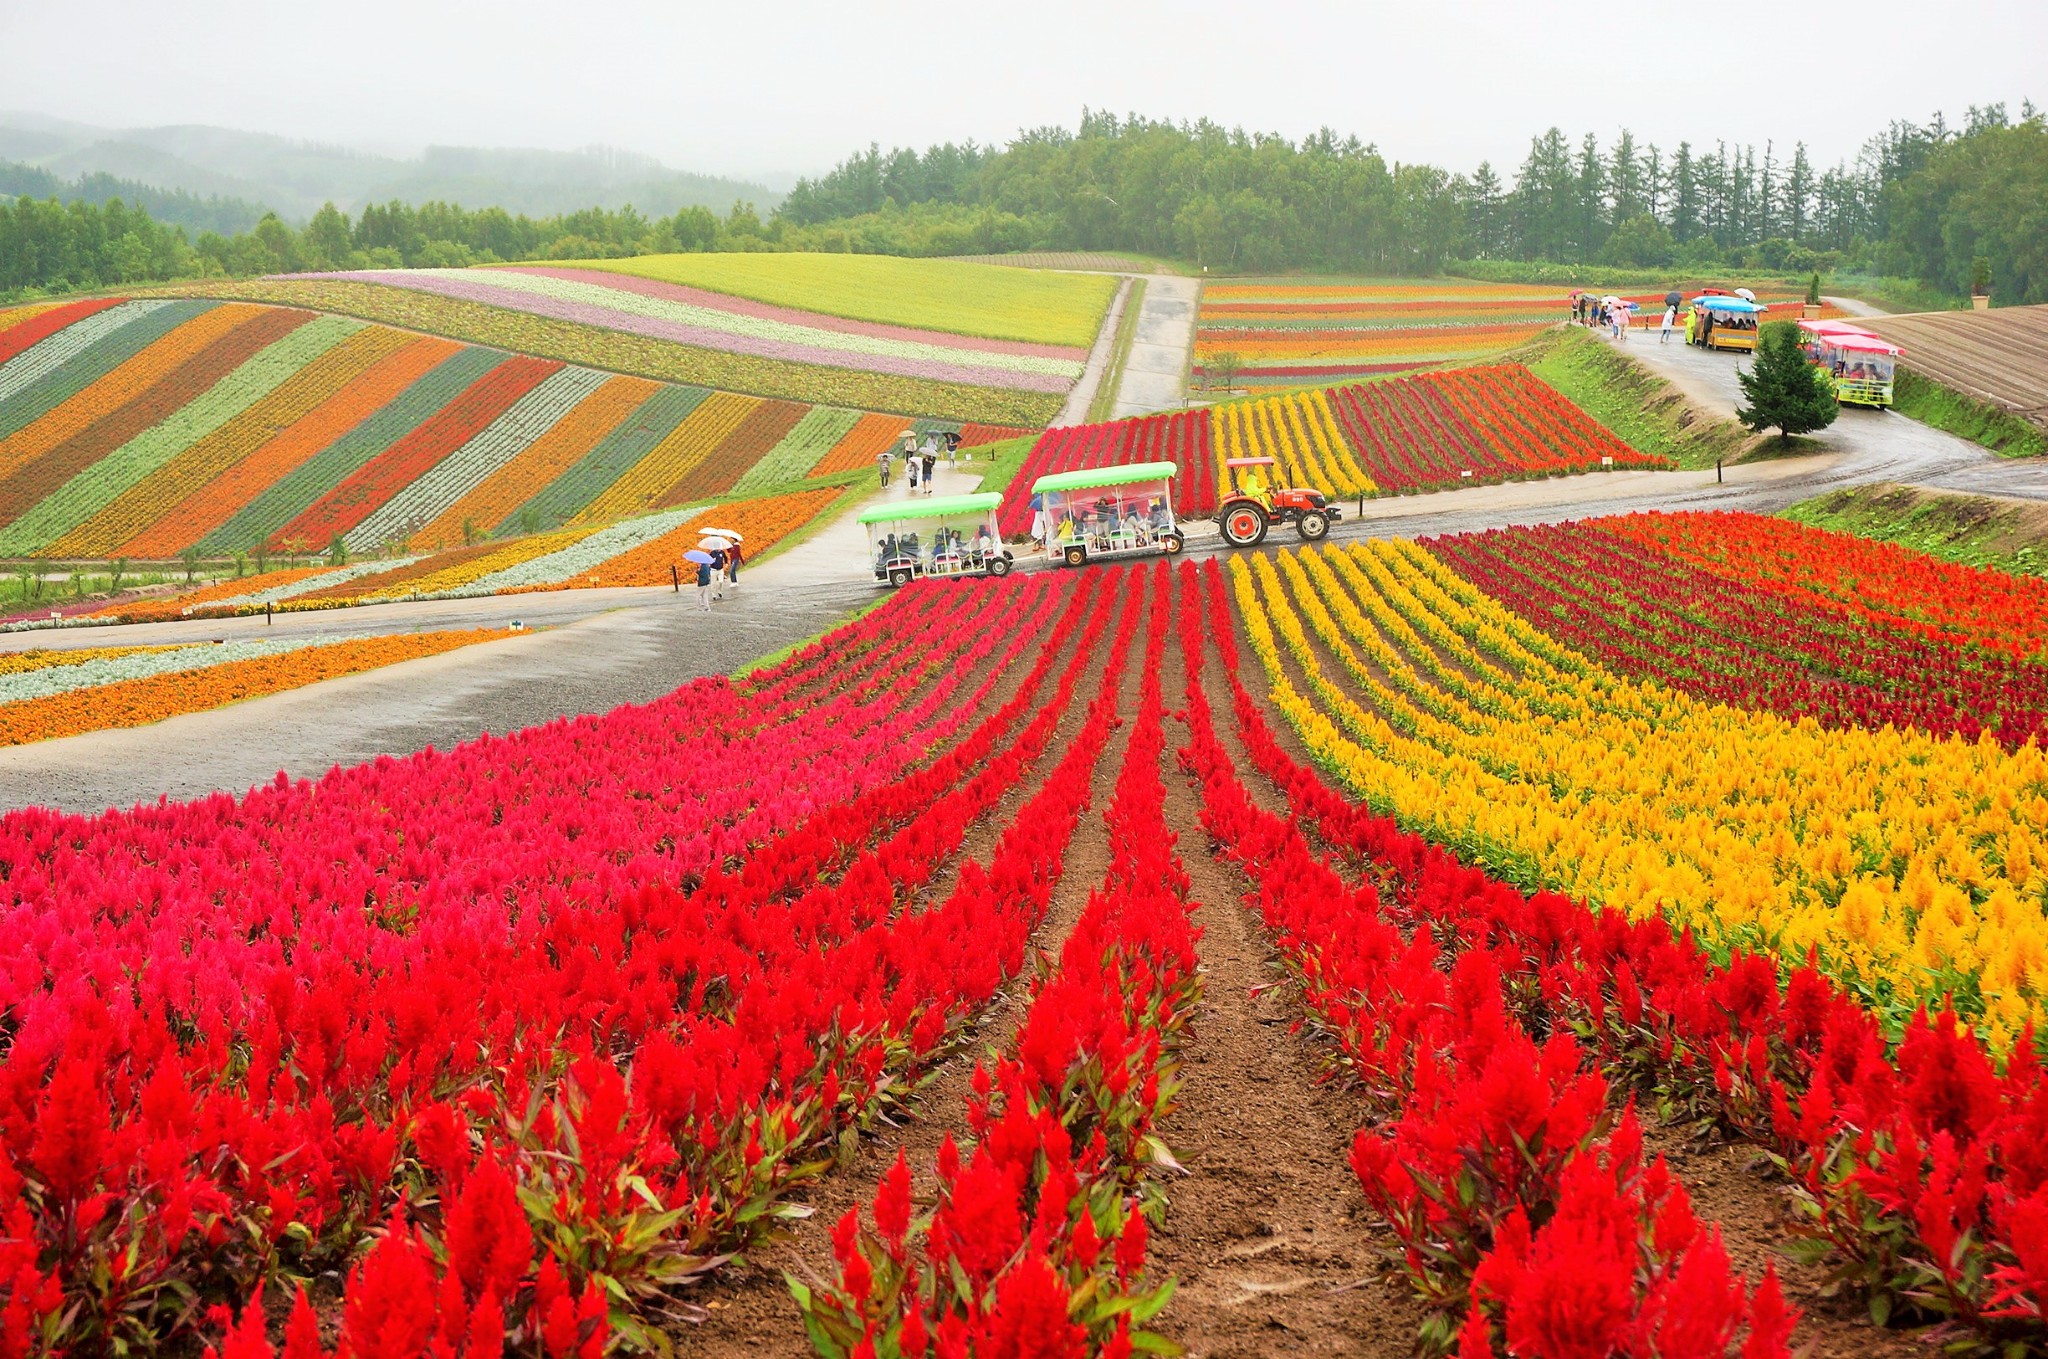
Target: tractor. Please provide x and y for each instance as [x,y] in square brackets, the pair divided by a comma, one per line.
[1249,510]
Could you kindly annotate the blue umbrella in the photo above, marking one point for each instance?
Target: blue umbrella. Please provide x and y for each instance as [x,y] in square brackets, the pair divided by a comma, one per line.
[701,558]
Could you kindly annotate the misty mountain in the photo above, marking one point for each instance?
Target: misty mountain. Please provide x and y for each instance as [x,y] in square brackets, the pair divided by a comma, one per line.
[295,177]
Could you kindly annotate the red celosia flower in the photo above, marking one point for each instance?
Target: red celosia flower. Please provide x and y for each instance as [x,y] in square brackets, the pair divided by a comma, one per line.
[490,1244]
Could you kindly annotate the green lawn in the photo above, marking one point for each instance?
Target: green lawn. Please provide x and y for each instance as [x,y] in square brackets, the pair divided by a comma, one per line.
[965,299]
[1640,407]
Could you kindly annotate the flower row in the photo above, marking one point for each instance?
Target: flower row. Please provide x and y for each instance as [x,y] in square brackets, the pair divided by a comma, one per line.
[421,957]
[149,684]
[1905,863]
[1649,614]
[1511,1173]
[148,429]
[648,356]
[662,311]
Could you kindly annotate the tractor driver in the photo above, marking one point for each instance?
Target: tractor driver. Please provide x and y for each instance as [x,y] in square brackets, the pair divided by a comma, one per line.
[1255,487]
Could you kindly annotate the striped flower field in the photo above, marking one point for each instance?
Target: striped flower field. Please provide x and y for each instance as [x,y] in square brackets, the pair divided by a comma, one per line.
[1422,432]
[147,428]
[1295,332]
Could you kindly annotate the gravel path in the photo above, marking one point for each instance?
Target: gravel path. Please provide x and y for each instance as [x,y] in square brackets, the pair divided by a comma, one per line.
[1157,368]
[624,653]
[1082,396]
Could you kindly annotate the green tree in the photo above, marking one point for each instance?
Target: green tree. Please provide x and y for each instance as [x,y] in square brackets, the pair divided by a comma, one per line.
[1783,390]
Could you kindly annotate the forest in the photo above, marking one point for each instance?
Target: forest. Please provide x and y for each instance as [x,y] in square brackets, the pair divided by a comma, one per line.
[1944,204]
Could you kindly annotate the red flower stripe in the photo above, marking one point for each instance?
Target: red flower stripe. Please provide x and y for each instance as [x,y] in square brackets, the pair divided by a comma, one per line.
[383,476]
[17,338]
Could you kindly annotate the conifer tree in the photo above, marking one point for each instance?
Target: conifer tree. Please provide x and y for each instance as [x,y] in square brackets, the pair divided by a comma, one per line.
[1784,390]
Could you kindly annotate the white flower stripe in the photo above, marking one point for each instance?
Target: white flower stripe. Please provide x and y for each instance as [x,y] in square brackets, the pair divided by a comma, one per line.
[780,332]
[66,679]
[293,589]
[581,556]
[422,501]
[52,352]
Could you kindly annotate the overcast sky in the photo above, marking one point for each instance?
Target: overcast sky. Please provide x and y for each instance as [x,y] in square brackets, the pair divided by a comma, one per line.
[750,88]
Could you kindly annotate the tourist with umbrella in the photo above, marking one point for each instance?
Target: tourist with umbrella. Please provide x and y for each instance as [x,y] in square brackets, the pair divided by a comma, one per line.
[719,548]
[702,561]
[733,539]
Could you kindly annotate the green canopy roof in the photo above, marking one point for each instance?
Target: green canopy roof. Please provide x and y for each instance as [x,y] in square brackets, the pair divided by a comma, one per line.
[1106,476]
[933,508]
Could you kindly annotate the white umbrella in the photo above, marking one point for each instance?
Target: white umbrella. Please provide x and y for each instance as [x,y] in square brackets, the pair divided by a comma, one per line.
[1745,294]
[727,533]
[1610,299]
[713,544]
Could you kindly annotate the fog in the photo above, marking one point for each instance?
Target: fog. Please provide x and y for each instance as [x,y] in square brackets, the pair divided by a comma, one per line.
[775,90]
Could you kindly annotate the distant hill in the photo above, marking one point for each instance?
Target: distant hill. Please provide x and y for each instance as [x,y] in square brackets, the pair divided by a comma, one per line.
[294,178]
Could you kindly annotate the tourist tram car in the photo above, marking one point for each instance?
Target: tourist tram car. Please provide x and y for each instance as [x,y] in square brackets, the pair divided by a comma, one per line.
[1725,322]
[1861,365]
[952,535]
[1109,511]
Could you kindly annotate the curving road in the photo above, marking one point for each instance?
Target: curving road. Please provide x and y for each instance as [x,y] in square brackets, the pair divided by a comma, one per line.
[597,649]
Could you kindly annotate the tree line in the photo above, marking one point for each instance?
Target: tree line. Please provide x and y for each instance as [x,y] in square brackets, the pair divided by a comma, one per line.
[1947,205]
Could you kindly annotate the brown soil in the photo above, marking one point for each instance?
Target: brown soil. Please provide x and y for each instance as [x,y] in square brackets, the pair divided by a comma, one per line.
[1732,1187]
[748,1309]
[1998,356]
[1273,1246]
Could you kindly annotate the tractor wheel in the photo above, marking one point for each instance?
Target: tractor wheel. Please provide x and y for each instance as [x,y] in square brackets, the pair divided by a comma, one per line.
[1313,526]
[900,576]
[1000,566]
[1244,525]
[1077,556]
[1171,544]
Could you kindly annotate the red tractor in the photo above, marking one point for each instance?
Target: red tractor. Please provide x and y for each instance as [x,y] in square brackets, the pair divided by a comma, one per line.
[1250,508]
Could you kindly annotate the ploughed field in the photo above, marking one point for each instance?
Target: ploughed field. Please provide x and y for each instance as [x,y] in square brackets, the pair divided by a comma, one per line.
[1568,848]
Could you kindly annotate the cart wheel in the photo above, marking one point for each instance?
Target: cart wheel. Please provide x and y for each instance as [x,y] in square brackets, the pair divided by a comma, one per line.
[1077,556]
[999,566]
[1313,526]
[1244,526]
[1171,544]
[900,576]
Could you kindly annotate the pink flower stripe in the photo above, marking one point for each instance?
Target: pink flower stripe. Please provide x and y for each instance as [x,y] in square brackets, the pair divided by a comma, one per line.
[740,306]
[535,304]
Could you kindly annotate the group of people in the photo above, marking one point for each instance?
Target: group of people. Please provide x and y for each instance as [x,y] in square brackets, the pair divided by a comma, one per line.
[1614,317]
[1103,524]
[947,552]
[714,575]
[920,459]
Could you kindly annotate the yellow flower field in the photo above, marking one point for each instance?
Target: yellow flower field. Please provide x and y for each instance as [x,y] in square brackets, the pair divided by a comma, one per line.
[1911,865]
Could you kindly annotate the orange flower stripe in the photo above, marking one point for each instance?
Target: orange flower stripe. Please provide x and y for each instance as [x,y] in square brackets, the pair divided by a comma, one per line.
[751,440]
[127,382]
[143,504]
[213,504]
[688,444]
[135,703]
[152,610]
[765,522]
[858,446]
[553,453]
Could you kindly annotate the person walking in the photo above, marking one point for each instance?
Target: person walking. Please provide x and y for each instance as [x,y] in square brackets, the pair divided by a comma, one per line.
[1664,331]
[718,560]
[910,461]
[882,460]
[931,464]
[732,566]
[1621,321]
[704,586]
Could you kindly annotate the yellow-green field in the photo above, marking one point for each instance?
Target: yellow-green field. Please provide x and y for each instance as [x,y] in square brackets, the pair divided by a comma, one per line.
[965,299]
